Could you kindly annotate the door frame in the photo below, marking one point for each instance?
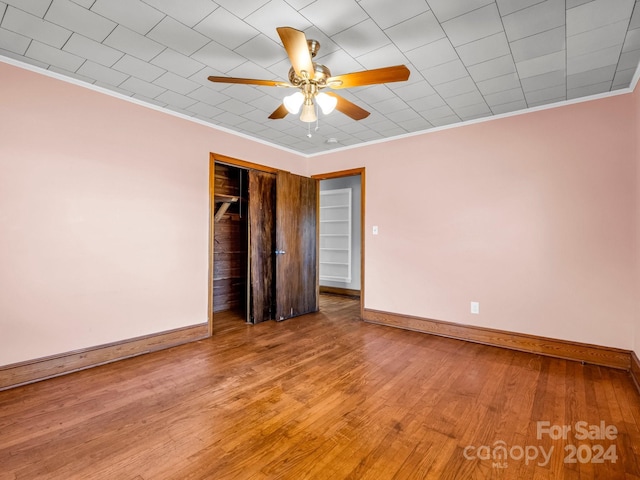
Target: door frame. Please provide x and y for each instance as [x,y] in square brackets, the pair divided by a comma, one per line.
[213,159]
[351,173]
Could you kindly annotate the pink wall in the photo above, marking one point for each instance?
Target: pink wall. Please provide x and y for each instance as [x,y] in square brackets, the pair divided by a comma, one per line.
[636,132]
[103,216]
[533,216]
[104,219]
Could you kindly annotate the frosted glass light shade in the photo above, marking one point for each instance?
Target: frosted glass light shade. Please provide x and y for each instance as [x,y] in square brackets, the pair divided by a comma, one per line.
[293,102]
[326,102]
[308,113]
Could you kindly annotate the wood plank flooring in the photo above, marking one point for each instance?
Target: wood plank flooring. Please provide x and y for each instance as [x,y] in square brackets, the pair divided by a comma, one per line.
[323,396]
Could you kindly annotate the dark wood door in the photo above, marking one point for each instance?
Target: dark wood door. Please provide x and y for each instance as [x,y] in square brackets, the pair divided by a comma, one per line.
[262,246]
[296,263]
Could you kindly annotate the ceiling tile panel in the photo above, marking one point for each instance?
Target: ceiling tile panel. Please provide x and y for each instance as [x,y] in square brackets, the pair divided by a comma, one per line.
[535,19]
[189,13]
[415,32]
[433,54]
[487,48]
[602,37]
[456,87]
[382,57]
[177,63]
[133,14]
[464,100]
[175,35]
[226,29]
[474,25]
[508,7]
[546,80]
[34,7]
[133,43]
[498,84]
[492,68]
[540,44]
[386,13]
[138,68]
[588,90]
[538,97]
[446,72]
[322,13]
[241,9]
[90,49]
[147,89]
[218,57]
[541,65]
[447,9]
[590,77]
[509,107]
[362,38]
[629,60]
[101,73]
[31,26]
[591,61]
[176,83]
[13,42]
[506,96]
[175,99]
[80,20]
[471,112]
[276,13]
[262,51]
[47,54]
[597,13]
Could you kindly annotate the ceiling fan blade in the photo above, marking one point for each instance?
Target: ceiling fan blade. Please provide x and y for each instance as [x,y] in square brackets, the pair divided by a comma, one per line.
[348,108]
[397,73]
[249,81]
[295,43]
[279,112]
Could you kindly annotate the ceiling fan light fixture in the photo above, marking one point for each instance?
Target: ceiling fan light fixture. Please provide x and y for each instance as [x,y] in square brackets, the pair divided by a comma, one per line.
[308,114]
[293,102]
[326,102]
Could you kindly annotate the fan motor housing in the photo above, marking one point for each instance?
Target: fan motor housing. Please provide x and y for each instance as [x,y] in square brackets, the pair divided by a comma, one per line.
[322,73]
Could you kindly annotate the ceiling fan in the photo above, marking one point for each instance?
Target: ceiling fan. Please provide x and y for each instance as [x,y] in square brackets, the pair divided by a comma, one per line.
[311,77]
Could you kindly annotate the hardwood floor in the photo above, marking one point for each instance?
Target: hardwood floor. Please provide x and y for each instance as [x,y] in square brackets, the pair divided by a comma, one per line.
[323,396]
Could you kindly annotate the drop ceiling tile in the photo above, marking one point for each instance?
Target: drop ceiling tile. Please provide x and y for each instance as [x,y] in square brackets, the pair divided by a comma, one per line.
[133,14]
[434,54]
[189,14]
[177,63]
[208,95]
[34,7]
[593,60]
[3,8]
[138,68]
[28,25]
[576,3]
[597,14]
[175,35]
[538,97]
[445,72]
[226,29]
[623,78]
[262,50]
[80,20]
[75,75]
[13,42]
[484,49]
[474,25]
[383,57]
[465,100]
[322,14]
[111,88]
[133,43]
[590,77]
[176,83]
[84,3]
[387,14]
[102,73]
[241,9]
[547,80]
[414,90]
[47,54]
[492,68]
[175,99]
[508,7]
[597,39]
[509,107]
[276,13]
[498,84]
[539,44]
[415,32]
[635,18]
[447,9]
[141,87]
[236,107]
[535,19]
[588,90]
[471,112]
[444,121]
[230,118]
[361,38]
[86,48]
[507,96]
[394,104]
[371,95]
[629,60]
[428,102]
[541,65]
[632,40]
[218,57]
[456,87]
[246,93]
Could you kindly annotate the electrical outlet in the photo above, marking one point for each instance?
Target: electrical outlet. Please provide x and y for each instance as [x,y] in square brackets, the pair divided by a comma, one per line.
[475,308]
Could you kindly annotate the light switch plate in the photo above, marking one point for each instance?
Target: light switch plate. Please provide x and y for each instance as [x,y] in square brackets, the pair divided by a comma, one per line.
[375,229]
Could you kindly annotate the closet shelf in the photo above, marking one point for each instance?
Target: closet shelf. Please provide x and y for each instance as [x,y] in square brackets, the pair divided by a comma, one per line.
[225,201]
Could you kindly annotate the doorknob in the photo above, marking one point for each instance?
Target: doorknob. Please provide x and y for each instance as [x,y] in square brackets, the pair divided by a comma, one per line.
[280,252]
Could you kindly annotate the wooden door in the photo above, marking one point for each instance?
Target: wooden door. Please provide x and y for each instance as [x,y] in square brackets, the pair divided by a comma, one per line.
[296,263]
[262,245]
